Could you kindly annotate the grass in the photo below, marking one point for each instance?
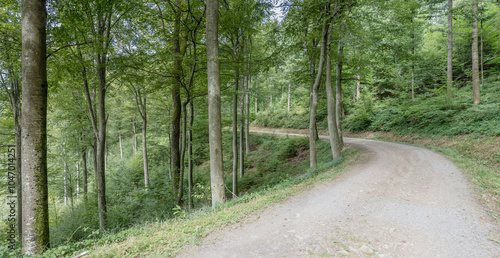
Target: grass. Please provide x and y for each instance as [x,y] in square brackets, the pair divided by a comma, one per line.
[170,237]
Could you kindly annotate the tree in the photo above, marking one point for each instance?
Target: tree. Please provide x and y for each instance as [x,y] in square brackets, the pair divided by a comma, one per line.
[34,128]
[314,92]
[214,104]
[331,106]
[176,103]
[140,100]
[475,55]
[449,71]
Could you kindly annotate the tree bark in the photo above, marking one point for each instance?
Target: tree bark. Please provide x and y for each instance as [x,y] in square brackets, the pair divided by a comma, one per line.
[332,121]
[190,154]
[121,147]
[235,132]
[247,116]
[241,169]
[412,60]
[144,145]
[176,103]
[77,180]
[214,104]
[475,56]
[449,72]
[141,103]
[134,140]
[84,173]
[338,91]
[288,103]
[314,92]
[65,183]
[183,143]
[34,128]
[358,86]
[482,46]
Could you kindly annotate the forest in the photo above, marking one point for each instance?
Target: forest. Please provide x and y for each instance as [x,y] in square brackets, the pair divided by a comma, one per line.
[121,114]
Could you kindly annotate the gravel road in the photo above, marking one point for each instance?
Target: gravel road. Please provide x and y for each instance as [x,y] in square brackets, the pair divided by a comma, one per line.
[398,201]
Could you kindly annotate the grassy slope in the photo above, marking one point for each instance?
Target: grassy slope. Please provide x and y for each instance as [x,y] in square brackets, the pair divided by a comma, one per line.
[284,173]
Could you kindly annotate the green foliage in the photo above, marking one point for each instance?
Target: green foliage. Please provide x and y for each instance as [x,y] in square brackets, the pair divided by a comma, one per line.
[363,113]
[433,115]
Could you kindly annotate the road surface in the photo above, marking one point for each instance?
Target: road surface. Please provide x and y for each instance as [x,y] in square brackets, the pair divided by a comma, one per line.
[398,201]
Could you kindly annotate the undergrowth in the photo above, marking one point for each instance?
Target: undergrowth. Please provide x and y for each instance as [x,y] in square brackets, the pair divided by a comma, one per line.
[276,169]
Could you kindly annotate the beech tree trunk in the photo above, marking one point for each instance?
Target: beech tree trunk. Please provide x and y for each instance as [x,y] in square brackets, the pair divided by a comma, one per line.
[183,143]
[338,92]
[121,147]
[332,121]
[134,140]
[235,133]
[214,104]
[65,183]
[190,154]
[77,180]
[358,86]
[314,92]
[475,56]
[84,173]
[241,169]
[176,103]
[449,71]
[141,103]
[482,56]
[247,116]
[288,104]
[35,208]
[144,146]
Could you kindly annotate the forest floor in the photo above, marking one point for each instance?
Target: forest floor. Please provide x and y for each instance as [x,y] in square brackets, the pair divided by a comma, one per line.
[398,201]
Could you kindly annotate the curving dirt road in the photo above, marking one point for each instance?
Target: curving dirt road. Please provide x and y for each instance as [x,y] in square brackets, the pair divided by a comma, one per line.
[399,201]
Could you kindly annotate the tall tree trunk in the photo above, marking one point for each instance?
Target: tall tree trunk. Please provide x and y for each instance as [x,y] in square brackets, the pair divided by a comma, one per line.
[121,147]
[449,72]
[288,103]
[176,103]
[412,59]
[183,143]
[312,74]
[77,180]
[190,154]
[332,121]
[94,159]
[256,96]
[482,46]
[358,86]
[314,92]
[65,183]
[141,103]
[34,128]
[235,133]
[214,104]
[144,145]
[134,140]
[475,57]
[338,90]
[104,27]
[241,169]
[84,173]
[247,116]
